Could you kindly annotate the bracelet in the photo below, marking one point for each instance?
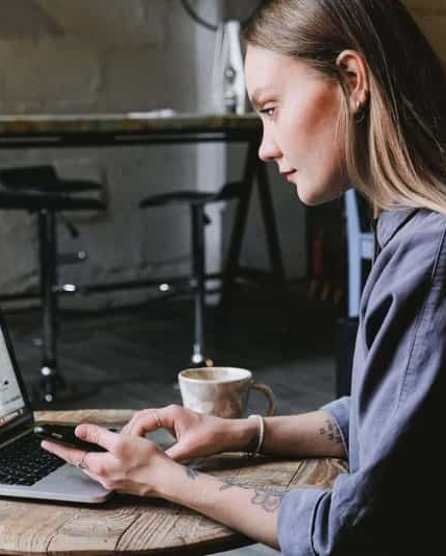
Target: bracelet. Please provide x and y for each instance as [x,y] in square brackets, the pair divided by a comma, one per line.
[261,434]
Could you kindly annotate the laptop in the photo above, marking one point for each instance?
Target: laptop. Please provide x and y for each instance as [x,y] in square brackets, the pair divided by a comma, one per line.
[26,470]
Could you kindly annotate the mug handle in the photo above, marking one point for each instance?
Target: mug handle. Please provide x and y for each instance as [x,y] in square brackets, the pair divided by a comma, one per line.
[266,391]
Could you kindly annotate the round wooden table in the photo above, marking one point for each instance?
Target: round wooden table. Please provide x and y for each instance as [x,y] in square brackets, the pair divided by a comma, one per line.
[130,525]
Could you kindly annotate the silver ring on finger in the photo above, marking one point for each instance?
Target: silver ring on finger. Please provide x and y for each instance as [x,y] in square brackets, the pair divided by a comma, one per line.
[81,463]
[157,419]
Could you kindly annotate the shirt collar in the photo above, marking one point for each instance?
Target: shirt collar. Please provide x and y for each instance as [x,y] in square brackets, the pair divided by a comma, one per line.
[390,222]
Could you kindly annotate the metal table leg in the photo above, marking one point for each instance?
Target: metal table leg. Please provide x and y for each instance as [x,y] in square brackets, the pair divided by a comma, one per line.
[256,170]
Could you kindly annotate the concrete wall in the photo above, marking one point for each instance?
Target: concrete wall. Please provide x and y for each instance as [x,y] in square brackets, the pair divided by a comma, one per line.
[106,56]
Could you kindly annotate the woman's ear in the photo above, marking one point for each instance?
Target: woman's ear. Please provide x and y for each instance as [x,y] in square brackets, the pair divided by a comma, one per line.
[354,73]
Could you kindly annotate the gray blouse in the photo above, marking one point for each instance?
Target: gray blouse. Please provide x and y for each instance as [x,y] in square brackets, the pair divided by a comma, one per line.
[392,424]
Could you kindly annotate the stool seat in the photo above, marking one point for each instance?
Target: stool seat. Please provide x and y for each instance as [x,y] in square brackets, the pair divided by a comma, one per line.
[226,193]
[36,201]
[43,178]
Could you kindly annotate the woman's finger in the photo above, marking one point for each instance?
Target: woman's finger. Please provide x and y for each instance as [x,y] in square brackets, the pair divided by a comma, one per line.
[100,436]
[126,429]
[180,451]
[72,456]
[142,423]
[79,458]
[140,420]
[150,420]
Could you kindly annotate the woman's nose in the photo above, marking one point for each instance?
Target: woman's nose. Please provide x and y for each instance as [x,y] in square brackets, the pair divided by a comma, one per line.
[268,150]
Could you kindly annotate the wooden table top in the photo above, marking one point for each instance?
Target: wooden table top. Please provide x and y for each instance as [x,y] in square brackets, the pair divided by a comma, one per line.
[131,525]
[130,122]
[42,131]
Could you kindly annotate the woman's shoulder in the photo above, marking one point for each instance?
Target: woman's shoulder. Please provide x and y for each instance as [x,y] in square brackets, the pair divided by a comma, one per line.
[414,225]
[412,239]
[412,258]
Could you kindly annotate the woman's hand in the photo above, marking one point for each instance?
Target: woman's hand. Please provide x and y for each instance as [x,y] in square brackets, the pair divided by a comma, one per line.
[131,465]
[197,435]
[134,465]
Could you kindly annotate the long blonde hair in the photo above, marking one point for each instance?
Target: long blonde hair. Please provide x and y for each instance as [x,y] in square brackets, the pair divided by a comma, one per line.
[396,154]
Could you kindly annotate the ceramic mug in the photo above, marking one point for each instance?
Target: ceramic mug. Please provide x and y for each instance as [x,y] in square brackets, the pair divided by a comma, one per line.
[221,391]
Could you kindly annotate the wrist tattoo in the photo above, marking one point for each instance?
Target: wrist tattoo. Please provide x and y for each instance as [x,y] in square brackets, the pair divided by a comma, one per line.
[268,499]
[331,432]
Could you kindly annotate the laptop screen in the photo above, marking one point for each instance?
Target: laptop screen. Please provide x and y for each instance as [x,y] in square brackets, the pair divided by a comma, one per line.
[12,402]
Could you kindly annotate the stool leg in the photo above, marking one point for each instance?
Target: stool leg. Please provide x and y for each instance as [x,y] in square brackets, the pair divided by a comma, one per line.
[53,387]
[48,281]
[198,273]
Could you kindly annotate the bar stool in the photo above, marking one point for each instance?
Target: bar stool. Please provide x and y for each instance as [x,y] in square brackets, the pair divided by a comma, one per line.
[197,202]
[38,189]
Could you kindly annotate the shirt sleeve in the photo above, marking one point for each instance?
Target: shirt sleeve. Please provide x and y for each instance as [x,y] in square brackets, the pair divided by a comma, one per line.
[385,504]
[297,533]
[340,411]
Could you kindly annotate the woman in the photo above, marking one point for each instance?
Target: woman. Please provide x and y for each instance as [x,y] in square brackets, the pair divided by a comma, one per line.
[350,94]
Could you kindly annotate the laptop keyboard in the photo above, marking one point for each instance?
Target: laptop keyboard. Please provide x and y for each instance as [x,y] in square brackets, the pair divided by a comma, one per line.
[24,462]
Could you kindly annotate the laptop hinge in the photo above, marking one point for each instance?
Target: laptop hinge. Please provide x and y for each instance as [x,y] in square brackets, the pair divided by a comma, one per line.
[17,427]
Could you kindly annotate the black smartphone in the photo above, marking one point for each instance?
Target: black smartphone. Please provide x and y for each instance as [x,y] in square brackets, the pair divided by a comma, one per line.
[64,434]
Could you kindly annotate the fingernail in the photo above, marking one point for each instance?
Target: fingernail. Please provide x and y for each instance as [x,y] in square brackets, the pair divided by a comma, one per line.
[80,431]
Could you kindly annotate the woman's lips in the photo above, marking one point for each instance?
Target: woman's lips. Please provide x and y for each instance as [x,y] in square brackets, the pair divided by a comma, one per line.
[289,175]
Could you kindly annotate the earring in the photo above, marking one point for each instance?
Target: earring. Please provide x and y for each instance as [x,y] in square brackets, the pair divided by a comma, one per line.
[359,116]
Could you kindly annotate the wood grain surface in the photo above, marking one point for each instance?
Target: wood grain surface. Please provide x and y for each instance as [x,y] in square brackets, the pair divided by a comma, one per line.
[130,525]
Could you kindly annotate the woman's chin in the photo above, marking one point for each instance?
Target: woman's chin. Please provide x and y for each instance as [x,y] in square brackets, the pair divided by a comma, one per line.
[312,197]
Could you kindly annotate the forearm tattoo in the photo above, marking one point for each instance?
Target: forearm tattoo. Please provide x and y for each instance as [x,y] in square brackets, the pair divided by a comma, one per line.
[192,473]
[268,499]
[331,432]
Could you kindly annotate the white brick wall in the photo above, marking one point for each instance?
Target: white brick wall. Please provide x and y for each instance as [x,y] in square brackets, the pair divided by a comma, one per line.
[37,77]
[58,56]
[115,23]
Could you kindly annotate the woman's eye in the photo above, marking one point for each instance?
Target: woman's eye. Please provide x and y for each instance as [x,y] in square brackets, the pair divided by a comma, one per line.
[269,112]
